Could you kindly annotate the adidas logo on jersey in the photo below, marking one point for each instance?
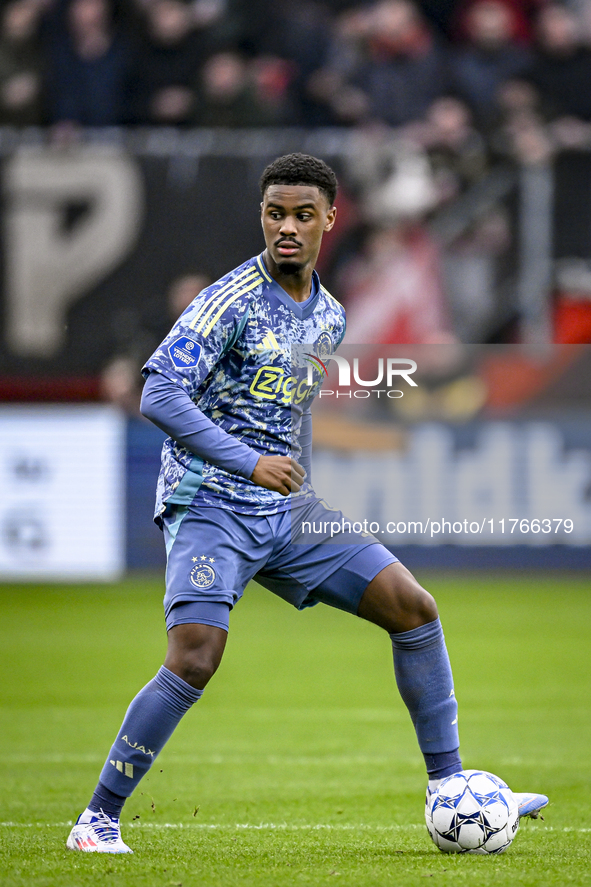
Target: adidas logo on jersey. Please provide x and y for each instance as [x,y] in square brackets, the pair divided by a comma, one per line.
[270,343]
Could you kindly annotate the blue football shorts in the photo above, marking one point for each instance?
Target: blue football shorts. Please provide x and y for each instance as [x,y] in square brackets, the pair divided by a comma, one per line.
[212,555]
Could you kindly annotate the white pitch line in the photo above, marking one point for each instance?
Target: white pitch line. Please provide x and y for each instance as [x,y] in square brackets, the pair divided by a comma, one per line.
[240,826]
[566,828]
[280,826]
[278,760]
[254,758]
[270,826]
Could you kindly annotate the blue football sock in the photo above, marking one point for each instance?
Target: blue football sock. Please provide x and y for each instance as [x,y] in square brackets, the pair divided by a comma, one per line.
[148,724]
[107,801]
[424,678]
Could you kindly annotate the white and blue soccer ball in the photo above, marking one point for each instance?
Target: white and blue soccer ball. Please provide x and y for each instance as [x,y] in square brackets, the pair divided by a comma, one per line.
[472,812]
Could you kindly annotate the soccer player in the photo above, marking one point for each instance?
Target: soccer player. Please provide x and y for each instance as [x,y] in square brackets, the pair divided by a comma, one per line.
[224,387]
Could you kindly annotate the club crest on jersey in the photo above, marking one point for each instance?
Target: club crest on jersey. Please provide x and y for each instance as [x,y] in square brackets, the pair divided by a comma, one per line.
[203,574]
[184,352]
[324,346]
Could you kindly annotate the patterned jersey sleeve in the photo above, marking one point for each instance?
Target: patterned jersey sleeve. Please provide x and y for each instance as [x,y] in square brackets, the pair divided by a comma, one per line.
[201,336]
[341,326]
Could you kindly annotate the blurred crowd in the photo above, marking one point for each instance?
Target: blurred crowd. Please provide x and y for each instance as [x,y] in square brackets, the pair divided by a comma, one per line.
[507,63]
[466,86]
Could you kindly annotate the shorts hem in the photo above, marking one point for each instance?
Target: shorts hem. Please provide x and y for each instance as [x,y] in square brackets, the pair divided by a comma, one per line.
[326,574]
[188,620]
[385,562]
[391,559]
[356,576]
[184,598]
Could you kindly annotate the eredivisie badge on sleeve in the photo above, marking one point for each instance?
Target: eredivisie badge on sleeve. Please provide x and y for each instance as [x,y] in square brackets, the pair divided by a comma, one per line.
[184,352]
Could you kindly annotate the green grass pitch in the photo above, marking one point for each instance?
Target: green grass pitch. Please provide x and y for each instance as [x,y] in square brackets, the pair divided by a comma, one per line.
[299,765]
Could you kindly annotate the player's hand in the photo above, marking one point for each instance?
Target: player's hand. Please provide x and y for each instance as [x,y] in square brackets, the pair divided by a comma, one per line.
[278,473]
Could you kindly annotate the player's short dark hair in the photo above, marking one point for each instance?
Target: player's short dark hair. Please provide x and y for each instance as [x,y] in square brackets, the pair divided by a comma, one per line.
[301,169]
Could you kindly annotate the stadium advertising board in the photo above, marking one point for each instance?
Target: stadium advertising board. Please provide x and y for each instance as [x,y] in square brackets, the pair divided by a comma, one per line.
[62,483]
[469,447]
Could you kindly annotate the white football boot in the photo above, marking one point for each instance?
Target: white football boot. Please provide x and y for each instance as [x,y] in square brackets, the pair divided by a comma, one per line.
[97,833]
[530,804]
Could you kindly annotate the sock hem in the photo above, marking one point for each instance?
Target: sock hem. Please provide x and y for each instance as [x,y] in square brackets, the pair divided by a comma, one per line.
[427,635]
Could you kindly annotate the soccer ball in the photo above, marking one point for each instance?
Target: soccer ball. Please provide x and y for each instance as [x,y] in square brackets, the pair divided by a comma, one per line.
[472,812]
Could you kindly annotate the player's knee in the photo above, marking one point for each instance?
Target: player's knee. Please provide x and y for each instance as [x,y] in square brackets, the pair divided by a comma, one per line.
[196,667]
[411,598]
[415,605]
[194,652]
[199,671]
[394,600]
[425,606]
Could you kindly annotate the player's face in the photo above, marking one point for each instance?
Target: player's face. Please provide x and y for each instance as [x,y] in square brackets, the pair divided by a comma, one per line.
[294,218]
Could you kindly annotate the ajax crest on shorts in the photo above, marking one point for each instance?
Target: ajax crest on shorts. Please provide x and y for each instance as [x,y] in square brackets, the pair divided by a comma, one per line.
[203,574]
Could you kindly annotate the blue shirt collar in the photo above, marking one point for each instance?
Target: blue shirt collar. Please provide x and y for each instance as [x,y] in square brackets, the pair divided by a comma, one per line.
[300,309]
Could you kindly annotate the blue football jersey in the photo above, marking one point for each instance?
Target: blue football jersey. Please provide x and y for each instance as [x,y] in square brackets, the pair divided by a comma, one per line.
[232,350]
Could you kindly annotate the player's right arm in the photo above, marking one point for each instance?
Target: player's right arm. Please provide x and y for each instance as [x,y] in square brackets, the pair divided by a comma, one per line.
[279,473]
[169,407]
[177,369]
